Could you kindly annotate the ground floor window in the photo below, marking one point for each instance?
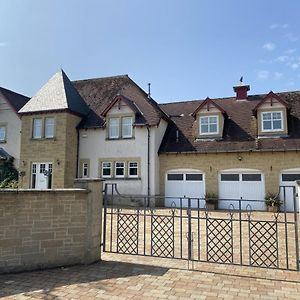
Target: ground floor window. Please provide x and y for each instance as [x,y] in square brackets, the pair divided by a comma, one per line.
[127,168]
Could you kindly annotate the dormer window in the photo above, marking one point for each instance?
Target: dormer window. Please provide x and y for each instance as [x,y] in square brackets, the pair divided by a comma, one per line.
[114,124]
[272,116]
[272,121]
[120,128]
[127,127]
[208,125]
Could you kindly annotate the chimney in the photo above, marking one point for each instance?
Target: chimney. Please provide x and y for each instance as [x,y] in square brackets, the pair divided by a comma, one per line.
[241,90]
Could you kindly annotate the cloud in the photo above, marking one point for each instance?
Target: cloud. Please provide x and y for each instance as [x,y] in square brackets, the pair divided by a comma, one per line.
[282,58]
[277,75]
[294,66]
[263,74]
[291,37]
[290,51]
[274,26]
[269,46]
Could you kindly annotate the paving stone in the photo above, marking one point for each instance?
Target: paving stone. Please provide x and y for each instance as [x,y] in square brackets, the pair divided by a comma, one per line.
[126,277]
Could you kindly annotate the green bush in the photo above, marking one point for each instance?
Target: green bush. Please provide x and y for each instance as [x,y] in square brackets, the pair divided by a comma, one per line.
[8,175]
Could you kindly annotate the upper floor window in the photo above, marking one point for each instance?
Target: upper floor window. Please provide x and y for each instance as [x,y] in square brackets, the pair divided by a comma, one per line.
[209,125]
[49,127]
[120,127]
[272,121]
[2,133]
[114,124]
[126,127]
[43,128]
[37,128]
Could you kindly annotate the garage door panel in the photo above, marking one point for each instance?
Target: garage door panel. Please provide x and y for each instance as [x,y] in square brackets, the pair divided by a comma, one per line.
[228,190]
[248,186]
[187,184]
[288,183]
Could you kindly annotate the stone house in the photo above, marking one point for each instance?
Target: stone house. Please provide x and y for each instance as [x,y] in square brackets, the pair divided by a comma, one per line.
[238,147]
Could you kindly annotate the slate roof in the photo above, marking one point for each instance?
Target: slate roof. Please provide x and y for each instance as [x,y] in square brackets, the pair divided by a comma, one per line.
[57,94]
[99,93]
[16,101]
[238,134]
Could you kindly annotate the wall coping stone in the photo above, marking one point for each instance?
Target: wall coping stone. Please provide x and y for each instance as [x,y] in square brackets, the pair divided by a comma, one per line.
[88,179]
[69,190]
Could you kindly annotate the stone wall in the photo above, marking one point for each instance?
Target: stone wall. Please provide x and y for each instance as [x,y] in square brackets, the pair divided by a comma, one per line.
[61,150]
[50,228]
[270,163]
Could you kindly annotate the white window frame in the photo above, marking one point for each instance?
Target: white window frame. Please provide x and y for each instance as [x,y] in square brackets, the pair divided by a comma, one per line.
[131,122]
[209,132]
[110,168]
[5,134]
[120,176]
[110,136]
[137,169]
[85,167]
[271,112]
[33,175]
[34,136]
[51,135]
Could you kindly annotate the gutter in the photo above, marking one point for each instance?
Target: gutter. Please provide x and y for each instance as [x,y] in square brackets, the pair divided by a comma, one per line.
[77,153]
[230,151]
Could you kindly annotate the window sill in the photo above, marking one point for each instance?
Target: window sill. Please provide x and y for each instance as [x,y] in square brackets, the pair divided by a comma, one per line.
[119,139]
[43,139]
[122,178]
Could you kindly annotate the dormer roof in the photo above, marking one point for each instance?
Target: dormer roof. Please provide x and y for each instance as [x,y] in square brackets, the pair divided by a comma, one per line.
[270,96]
[208,103]
[118,99]
[56,95]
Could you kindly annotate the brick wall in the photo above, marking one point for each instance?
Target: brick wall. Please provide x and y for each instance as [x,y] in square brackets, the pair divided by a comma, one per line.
[270,163]
[41,229]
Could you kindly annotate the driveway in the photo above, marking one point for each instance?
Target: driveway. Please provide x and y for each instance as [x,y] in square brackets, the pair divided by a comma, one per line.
[132,277]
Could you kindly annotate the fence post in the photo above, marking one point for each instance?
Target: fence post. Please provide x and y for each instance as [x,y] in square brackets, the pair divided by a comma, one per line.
[296,218]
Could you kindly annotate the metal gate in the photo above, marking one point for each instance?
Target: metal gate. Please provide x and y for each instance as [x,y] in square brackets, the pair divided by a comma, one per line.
[187,231]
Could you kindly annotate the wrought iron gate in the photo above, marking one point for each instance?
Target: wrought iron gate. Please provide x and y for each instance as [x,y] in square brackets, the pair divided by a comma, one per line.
[189,231]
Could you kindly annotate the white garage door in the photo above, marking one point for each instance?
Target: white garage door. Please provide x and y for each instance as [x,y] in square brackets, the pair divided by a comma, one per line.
[188,184]
[245,185]
[288,183]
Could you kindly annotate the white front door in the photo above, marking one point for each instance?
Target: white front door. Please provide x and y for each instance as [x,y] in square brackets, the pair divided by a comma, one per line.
[41,176]
[287,188]
[184,184]
[245,185]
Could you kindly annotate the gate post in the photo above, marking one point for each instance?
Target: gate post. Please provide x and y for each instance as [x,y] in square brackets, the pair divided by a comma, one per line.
[94,217]
[296,218]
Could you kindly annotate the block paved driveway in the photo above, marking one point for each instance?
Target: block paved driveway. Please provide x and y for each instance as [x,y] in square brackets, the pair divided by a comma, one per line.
[132,277]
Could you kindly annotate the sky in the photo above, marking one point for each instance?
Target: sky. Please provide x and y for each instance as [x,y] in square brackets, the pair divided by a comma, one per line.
[187,50]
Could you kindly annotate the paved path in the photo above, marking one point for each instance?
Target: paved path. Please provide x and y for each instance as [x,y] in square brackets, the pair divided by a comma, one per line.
[131,277]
